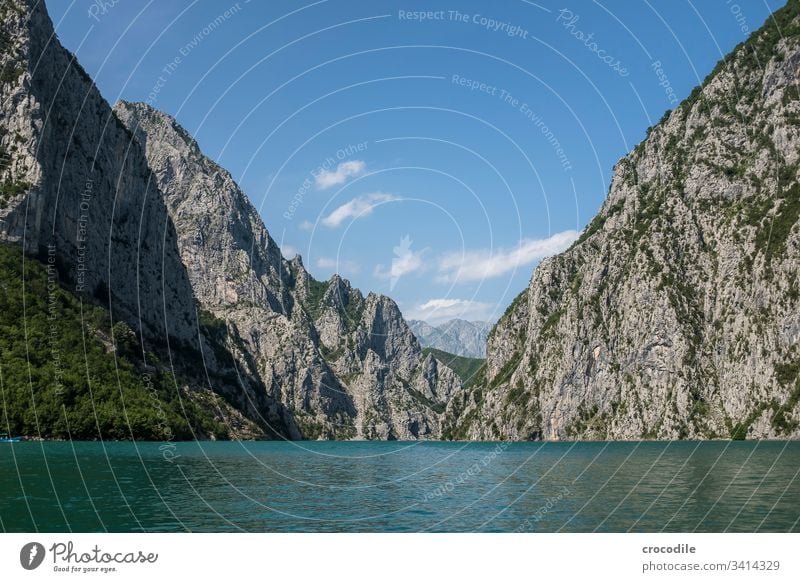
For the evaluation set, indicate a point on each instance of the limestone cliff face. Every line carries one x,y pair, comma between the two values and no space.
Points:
71,179
677,312
345,366
76,190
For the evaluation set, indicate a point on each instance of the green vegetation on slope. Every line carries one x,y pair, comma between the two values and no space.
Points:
754,52
316,291
63,376
465,368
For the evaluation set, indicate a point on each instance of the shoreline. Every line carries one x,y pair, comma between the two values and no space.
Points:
23,439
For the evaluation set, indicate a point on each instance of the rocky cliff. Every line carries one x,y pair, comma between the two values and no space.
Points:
76,191
677,312
71,179
344,365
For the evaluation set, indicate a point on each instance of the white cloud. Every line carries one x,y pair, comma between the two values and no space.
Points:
439,310
360,207
488,263
288,251
306,225
330,178
338,265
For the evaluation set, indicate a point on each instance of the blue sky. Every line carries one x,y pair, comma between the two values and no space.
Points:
432,157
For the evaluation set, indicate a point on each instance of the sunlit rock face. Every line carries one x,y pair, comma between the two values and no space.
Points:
677,312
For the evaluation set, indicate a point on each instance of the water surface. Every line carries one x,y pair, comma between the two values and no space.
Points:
400,487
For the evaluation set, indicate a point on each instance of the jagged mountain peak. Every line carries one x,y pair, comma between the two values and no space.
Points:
338,284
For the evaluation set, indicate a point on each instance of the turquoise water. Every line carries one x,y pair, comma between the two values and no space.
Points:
400,487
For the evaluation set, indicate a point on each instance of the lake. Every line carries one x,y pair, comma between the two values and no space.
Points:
400,487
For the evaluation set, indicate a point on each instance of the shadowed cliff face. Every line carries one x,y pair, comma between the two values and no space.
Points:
677,312
345,365
90,193
77,190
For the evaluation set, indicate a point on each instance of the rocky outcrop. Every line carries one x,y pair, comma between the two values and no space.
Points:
677,312
344,365
457,336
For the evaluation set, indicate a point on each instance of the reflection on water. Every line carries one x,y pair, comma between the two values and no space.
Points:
378,486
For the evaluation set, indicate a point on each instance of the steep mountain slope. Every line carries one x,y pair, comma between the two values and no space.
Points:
457,336
76,191
70,179
44,389
345,365
677,312
468,369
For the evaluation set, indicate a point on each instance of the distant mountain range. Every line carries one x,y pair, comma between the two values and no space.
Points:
457,336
